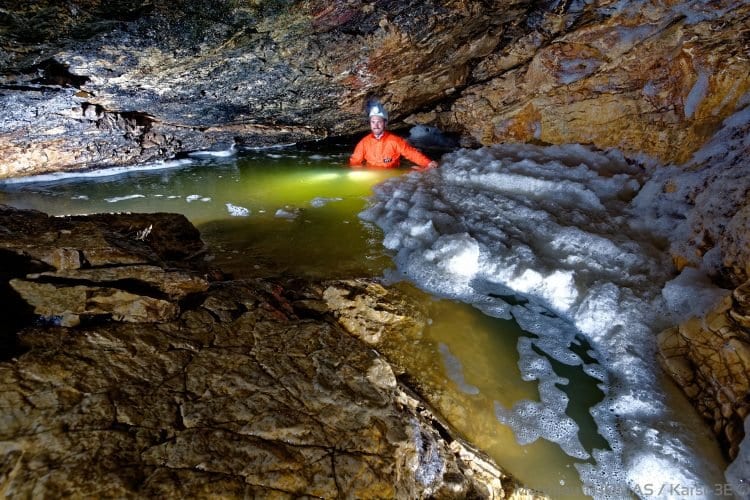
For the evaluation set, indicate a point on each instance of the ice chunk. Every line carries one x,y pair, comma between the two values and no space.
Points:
237,211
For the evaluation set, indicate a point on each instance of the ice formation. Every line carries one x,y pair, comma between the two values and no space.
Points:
556,238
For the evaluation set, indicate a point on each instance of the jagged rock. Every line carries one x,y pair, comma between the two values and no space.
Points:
255,401
373,313
119,86
102,265
709,358
93,84
71,302
174,284
735,246
716,207
73,242
658,80
234,389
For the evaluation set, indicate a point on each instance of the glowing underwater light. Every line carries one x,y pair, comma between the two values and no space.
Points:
359,175
325,176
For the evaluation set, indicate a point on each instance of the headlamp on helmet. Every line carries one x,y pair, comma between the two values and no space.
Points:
378,110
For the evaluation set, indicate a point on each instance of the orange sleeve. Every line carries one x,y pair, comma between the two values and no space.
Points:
358,156
412,154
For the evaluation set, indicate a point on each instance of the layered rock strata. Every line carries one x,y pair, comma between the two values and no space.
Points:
89,83
708,356
640,77
710,359
239,388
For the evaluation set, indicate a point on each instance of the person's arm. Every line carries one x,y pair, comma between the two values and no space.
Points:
416,156
358,156
432,164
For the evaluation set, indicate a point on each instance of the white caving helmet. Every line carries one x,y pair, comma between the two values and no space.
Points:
377,109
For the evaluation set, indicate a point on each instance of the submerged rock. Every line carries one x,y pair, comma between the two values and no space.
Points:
241,388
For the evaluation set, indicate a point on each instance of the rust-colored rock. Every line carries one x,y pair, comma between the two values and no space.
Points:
648,81
709,358
83,91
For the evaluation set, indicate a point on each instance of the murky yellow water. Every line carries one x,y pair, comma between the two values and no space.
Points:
289,212
465,363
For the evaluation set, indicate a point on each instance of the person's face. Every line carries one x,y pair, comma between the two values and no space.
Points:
377,125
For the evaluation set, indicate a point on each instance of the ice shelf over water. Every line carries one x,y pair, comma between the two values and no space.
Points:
570,242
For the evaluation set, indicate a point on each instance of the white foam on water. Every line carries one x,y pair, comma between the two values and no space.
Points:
197,197
105,172
320,201
286,213
561,232
116,199
237,211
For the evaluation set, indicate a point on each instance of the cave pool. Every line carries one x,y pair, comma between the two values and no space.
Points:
293,211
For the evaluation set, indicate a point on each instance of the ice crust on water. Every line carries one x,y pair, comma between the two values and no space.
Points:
99,173
560,230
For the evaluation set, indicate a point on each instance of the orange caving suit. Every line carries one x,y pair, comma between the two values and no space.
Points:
385,152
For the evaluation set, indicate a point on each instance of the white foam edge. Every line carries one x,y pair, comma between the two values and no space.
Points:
99,173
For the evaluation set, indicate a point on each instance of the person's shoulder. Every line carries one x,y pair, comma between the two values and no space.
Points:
393,137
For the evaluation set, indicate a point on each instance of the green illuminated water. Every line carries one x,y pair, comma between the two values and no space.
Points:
289,212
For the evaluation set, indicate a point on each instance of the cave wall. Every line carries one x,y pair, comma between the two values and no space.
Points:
90,83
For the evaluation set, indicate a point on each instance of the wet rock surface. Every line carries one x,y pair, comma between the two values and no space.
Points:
245,388
88,84
708,356
710,359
